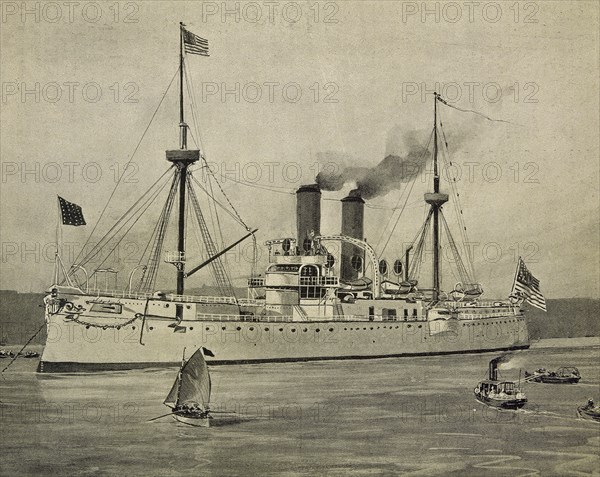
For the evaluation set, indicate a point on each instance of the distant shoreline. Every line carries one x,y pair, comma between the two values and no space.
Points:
581,342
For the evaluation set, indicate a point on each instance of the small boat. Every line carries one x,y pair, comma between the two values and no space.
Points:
189,398
500,394
564,375
589,411
6,354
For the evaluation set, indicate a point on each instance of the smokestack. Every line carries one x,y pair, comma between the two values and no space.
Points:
493,368
353,211
308,212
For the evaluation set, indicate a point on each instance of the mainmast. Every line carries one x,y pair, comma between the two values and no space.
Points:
436,200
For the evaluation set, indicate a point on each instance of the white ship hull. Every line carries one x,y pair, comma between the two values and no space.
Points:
93,342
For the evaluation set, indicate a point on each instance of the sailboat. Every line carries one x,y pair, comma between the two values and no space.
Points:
189,397
310,303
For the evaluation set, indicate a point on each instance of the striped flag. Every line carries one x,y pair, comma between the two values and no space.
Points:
194,44
528,287
71,213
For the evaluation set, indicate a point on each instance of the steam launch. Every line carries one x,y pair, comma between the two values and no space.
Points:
322,296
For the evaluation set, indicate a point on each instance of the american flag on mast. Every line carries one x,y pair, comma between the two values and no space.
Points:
71,214
194,44
527,286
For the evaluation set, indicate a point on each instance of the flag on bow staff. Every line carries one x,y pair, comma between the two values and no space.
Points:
194,44
71,213
528,287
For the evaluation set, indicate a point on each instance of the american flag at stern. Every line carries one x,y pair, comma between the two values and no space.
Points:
194,44
71,213
528,287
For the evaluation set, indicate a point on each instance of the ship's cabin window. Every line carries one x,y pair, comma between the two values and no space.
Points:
414,312
309,283
405,313
388,313
309,271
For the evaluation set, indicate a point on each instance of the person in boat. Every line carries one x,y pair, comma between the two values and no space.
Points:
590,404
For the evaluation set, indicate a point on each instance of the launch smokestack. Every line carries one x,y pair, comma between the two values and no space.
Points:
353,211
308,212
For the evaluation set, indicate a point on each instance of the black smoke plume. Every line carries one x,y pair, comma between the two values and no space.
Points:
390,174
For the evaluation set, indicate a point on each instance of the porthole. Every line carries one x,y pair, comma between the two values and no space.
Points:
317,330
345,329
167,305
223,328
87,327
251,328
293,330
330,329
267,328
133,327
371,327
410,326
238,328
305,330
151,328
280,329
420,326
188,307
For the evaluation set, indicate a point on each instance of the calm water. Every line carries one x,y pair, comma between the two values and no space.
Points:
400,416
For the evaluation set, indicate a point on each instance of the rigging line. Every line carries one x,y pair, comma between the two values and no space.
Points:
457,203
400,198
104,239
157,247
227,198
214,215
478,113
405,201
127,231
152,263
126,166
213,212
231,214
220,273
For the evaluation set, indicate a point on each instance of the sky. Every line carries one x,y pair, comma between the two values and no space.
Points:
291,88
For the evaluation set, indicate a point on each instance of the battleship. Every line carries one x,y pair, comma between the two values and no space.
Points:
321,296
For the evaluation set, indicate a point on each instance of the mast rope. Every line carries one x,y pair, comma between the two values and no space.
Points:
126,166
191,93
24,346
415,264
141,213
405,201
148,280
143,200
222,278
457,205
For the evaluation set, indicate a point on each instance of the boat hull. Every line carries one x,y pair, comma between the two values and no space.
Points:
193,421
501,403
591,415
72,345
556,380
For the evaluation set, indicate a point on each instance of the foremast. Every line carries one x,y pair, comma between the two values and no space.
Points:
182,158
